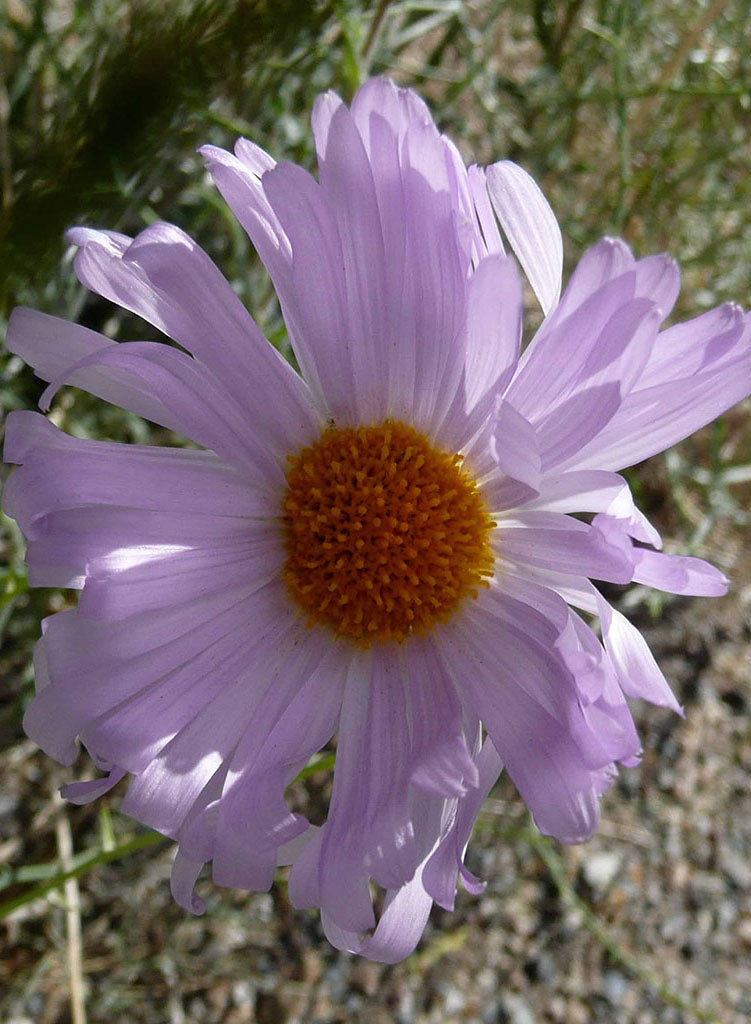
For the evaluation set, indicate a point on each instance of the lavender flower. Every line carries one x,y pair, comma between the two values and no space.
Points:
379,547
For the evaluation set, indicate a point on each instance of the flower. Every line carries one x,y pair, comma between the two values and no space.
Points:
380,547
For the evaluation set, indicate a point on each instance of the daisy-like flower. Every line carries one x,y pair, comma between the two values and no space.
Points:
379,547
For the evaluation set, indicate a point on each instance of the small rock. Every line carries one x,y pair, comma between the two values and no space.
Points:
516,1010
615,986
577,1013
243,994
540,968
727,914
744,931
486,980
737,868
366,976
454,1000
557,1008
312,966
490,1011
600,869
8,804
406,1009
674,927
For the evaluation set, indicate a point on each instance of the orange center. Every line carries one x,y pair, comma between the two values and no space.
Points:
385,534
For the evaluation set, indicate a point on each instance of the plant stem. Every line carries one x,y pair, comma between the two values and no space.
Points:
141,842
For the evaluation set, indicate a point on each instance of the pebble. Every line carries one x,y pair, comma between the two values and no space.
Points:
600,869
615,987
737,868
8,804
454,999
516,1010
744,931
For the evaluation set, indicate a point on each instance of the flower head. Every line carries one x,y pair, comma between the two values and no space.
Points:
380,547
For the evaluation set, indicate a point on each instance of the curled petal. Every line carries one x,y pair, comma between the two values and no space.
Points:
85,792
183,880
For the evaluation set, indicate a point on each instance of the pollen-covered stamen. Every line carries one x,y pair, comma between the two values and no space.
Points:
385,533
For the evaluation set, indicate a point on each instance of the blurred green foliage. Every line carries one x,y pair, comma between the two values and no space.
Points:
100,95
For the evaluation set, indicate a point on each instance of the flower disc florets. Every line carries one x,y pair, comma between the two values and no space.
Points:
385,533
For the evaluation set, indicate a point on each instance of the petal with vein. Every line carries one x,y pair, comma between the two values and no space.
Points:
531,228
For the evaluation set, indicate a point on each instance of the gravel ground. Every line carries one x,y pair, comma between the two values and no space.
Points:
668,877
